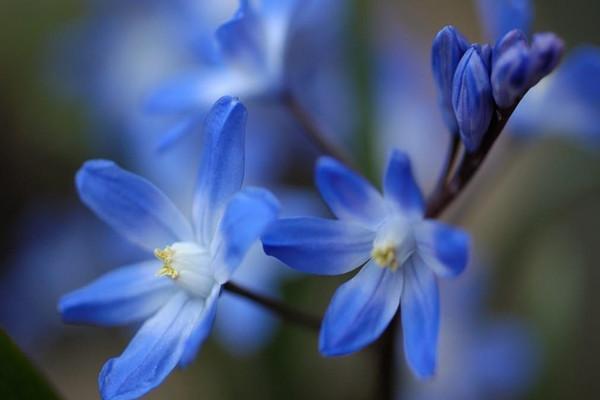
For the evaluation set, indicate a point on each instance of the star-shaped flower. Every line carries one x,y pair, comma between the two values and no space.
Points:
399,252
176,294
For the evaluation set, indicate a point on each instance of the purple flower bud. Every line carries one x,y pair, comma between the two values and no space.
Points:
546,52
517,67
509,40
448,47
472,97
510,74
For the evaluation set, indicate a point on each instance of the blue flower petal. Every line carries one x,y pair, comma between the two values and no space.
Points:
131,205
126,295
182,94
222,168
318,246
202,329
443,248
399,186
349,196
501,16
153,352
242,38
420,317
246,216
360,310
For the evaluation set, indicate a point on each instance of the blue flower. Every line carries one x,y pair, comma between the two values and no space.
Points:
175,295
400,253
251,64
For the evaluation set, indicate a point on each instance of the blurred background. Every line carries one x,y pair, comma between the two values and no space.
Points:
521,323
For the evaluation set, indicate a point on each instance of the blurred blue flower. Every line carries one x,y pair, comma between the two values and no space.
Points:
265,54
502,16
399,252
46,263
567,103
481,357
178,299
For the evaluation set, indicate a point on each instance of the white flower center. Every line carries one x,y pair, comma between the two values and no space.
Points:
189,266
394,243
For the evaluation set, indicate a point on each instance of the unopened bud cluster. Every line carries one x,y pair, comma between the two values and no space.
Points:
475,80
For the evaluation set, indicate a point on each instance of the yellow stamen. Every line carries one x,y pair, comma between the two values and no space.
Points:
386,257
166,256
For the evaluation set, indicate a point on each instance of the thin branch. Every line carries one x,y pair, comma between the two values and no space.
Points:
389,386
313,131
452,155
468,167
283,310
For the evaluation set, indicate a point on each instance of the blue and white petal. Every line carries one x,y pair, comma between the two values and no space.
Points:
349,196
242,39
123,296
154,351
420,317
443,248
246,217
400,188
360,310
131,205
317,245
222,168
202,328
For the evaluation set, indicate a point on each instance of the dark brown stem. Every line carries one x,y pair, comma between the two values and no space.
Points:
389,385
283,310
468,167
447,168
312,130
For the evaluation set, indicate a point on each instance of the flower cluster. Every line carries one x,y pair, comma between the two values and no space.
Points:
474,80
391,237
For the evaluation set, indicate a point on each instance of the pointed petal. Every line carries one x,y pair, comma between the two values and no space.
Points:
222,168
153,352
126,295
246,216
131,205
318,246
360,310
202,329
400,187
349,196
420,317
443,248
242,38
